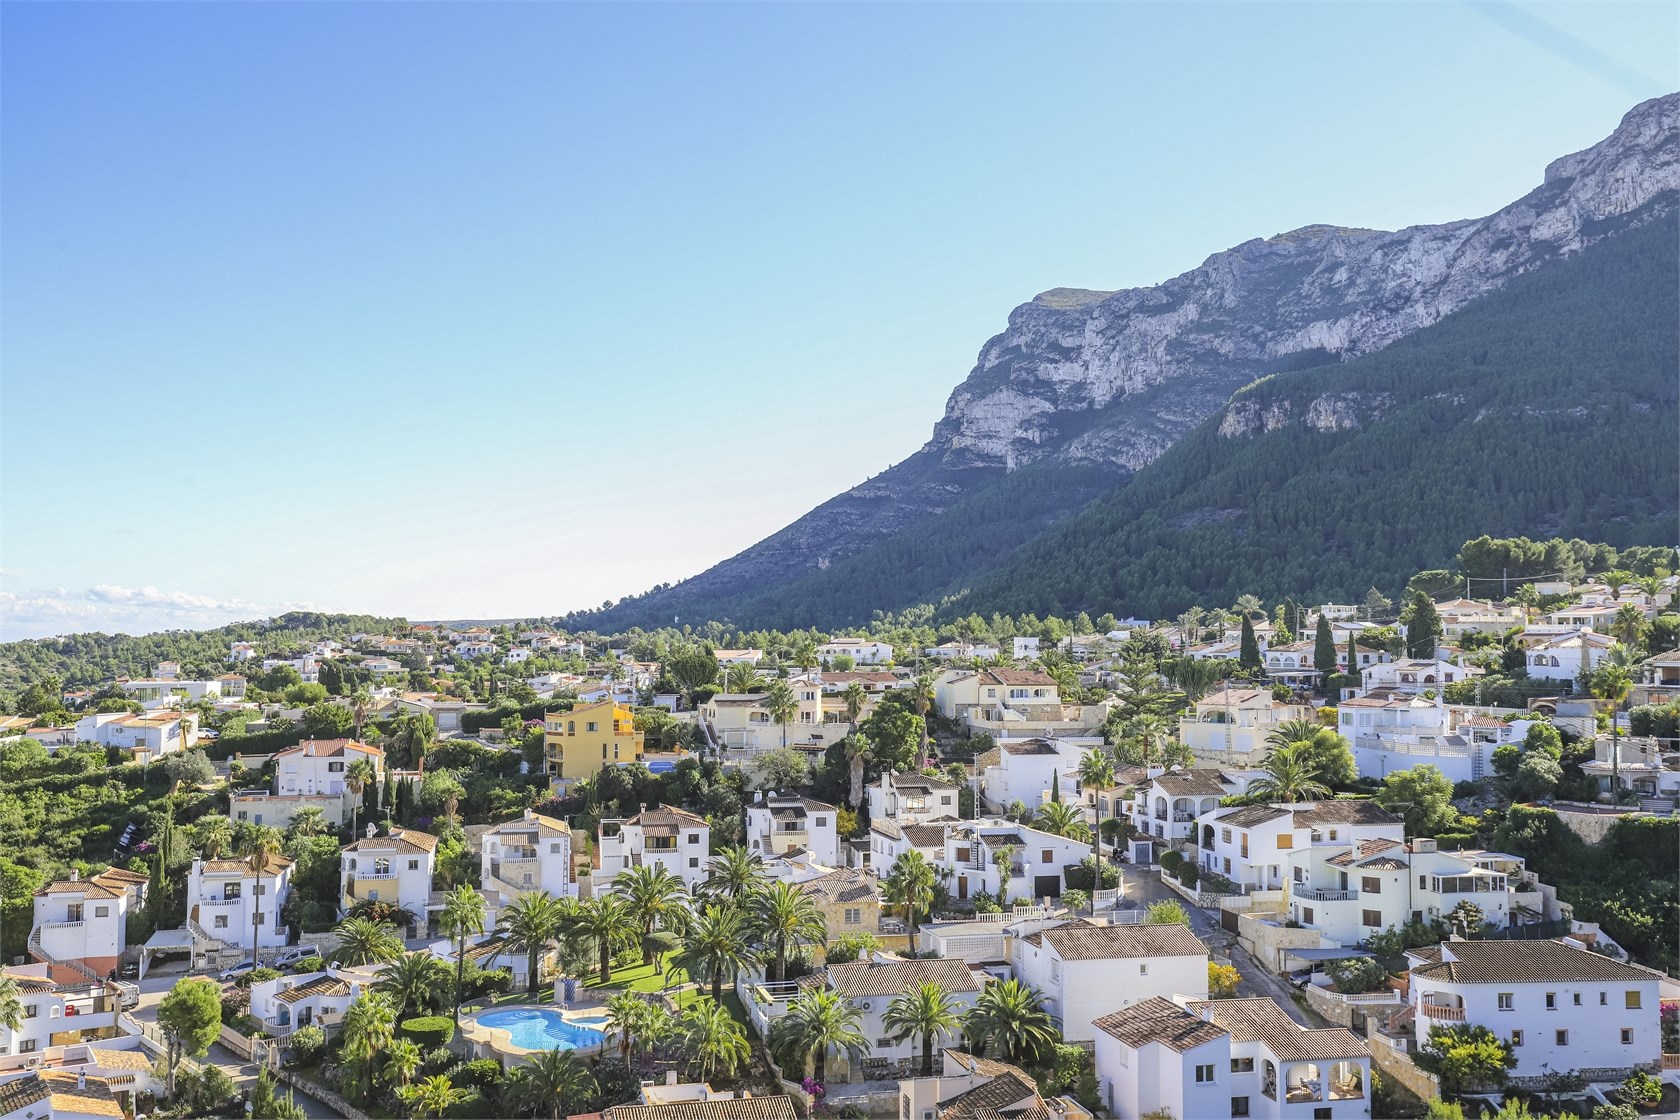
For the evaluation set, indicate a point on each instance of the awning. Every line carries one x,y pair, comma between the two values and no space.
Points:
170,940
1326,954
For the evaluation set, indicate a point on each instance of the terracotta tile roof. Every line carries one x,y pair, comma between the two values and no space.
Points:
1159,1020
329,748
541,825
1228,696
120,875
1082,942
325,986
1344,812
847,885
1385,863
1193,783
401,839
668,817
924,835
87,888
60,1089
1513,962
886,828
27,983
920,781
1262,1020
119,1059
271,865
1018,677
1365,849
1011,1094
889,978
753,1108
1251,816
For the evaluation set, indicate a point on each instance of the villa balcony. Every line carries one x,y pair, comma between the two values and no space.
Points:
1442,1013
1324,894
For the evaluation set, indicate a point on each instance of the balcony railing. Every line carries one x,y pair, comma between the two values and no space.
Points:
1180,817
1325,894
1442,1013
235,901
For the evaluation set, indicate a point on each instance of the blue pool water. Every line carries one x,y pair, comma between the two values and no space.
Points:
536,1028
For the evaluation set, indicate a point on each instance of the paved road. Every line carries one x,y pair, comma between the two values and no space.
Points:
1144,887
243,1073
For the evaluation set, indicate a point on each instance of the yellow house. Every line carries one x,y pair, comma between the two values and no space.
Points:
579,742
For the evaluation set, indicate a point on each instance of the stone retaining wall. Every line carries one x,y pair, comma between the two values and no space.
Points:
1423,1085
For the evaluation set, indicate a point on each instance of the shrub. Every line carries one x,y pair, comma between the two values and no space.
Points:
1222,981
306,1044
1358,974
1466,1058
1165,913
1171,861
1076,899
479,1072
986,903
1189,874
438,1060
1641,1090
429,1031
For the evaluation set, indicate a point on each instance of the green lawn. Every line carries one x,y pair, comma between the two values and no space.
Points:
645,978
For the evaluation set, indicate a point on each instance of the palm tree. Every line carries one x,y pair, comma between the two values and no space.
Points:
735,873
859,750
368,1027
1060,819
554,1083
1627,624
356,777
715,946
601,921
925,1010
714,1040
215,835
922,695
363,941
531,922
1527,598
309,821
1096,772
261,845
627,1013
1613,681
817,1022
11,1005
739,678
1249,605
1002,860
411,982
435,1096
361,705
781,705
1009,1022
463,914
1290,776
402,1062
909,887
786,918
855,697
655,899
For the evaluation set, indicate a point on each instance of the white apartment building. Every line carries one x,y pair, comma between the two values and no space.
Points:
742,721
395,868
862,651
529,853
1567,656
1562,1007
1037,860
238,901
147,736
57,1011
912,798
675,839
1257,846
1087,970
1416,675
870,986
1024,649
1229,1057
1229,727
1166,806
1393,730
998,696
85,921
1351,890
888,840
152,692
1026,770
778,823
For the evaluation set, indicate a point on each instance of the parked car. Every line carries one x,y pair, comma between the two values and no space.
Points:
297,956
234,972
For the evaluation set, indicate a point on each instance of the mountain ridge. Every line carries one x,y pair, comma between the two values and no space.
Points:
1108,382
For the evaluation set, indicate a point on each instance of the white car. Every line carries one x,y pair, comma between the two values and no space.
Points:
234,972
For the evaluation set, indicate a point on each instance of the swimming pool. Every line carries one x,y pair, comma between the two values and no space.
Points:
538,1028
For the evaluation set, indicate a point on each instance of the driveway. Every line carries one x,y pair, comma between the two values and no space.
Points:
243,1073
1144,886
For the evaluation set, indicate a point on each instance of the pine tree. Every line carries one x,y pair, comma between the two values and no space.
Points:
1324,649
1250,656
1423,627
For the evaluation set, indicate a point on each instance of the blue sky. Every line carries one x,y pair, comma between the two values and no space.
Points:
499,310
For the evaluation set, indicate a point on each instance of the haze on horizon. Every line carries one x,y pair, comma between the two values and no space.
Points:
456,311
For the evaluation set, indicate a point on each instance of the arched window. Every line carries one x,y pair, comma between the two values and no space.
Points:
381,866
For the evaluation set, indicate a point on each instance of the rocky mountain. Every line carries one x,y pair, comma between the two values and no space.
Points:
1091,386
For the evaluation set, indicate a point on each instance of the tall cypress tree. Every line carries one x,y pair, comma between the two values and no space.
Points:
1250,655
1353,657
1324,649
1423,627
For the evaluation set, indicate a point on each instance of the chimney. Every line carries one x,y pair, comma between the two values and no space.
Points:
75,876
371,829
670,1077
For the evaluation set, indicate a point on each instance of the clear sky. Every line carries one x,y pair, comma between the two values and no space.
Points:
489,310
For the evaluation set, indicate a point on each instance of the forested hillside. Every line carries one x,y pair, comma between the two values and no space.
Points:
1546,409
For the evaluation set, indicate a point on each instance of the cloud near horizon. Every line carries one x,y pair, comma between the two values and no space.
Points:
113,608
